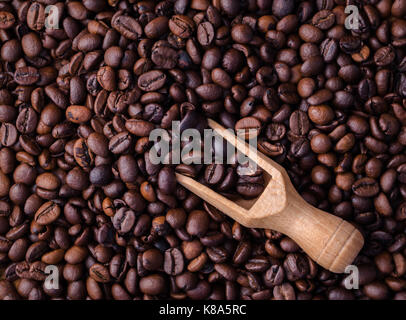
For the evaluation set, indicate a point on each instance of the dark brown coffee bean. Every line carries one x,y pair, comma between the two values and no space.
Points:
83,156
376,290
314,65
299,123
309,33
124,220
127,26
26,75
36,16
323,19
242,33
151,80
197,223
153,284
27,120
174,262
127,168
214,173
321,114
47,213
156,27
8,134
163,55
98,144
120,142
106,78
57,96
366,187
99,273
7,20
284,292
35,251
296,266
78,114
209,91
205,33
47,181
7,113
31,44
340,294
139,128
220,77
384,56
76,254
182,26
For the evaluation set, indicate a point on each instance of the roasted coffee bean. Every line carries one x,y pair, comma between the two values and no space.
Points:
384,56
127,168
139,128
156,27
163,55
205,33
174,262
124,220
296,266
31,44
299,123
321,114
151,80
76,254
274,276
197,223
284,292
376,290
7,20
209,91
83,156
167,180
78,114
99,273
27,120
26,75
365,187
323,19
8,134
153,284
35,251
47,213
127,26
107,78
100,175
182,26
214,173
120,142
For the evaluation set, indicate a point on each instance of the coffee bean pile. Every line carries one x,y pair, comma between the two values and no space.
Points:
82,85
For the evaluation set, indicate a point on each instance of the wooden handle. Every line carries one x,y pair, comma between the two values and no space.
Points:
328,240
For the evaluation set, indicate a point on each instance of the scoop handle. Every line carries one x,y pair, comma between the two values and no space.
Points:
329,240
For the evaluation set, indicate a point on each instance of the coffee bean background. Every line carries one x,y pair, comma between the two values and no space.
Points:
77,104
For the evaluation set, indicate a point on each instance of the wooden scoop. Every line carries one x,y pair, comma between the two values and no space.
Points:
330,241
